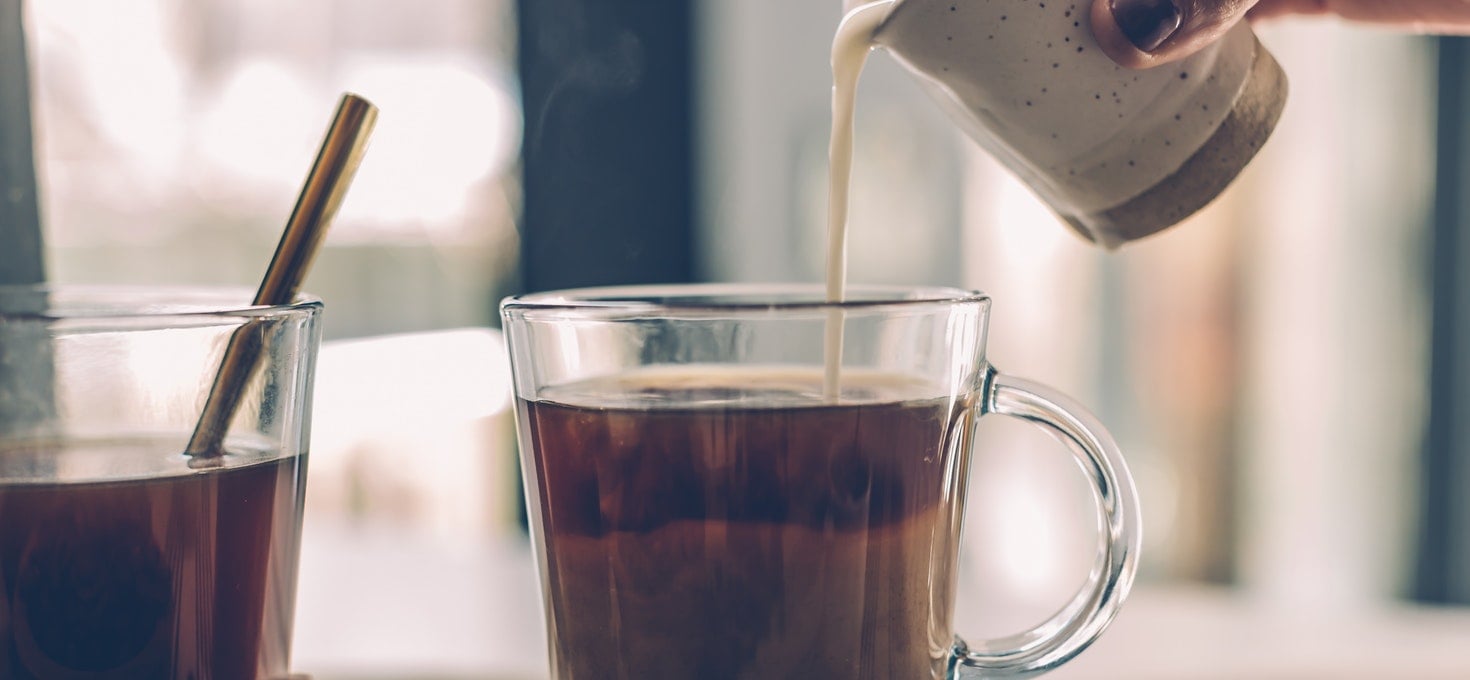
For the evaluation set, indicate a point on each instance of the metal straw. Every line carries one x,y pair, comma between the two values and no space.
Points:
320,197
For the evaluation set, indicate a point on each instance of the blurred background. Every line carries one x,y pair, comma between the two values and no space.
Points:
1284,370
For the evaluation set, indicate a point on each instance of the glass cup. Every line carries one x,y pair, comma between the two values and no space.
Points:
121,557
708,501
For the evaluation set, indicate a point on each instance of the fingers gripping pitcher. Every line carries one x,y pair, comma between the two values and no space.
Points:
1118,154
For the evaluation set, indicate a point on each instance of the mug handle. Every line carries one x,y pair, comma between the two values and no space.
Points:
1079,623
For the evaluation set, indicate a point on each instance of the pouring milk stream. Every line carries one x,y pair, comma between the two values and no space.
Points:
1117,154
849,52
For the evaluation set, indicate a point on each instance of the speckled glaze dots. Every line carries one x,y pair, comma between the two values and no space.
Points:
1119,154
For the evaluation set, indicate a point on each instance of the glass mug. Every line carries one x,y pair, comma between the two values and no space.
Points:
700,509
120,557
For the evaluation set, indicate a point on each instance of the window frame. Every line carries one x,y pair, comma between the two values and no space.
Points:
1443,574
21,258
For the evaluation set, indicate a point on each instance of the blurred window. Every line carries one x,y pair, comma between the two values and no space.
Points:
1264,365
172,139
173,136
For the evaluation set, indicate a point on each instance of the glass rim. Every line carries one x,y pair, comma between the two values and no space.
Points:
82,302
736,297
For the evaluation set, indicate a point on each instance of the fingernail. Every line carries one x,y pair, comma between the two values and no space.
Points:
1146,23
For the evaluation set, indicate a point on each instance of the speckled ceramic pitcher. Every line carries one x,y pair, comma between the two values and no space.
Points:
1119,154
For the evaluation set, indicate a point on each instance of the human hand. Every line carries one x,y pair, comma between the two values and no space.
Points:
1144,33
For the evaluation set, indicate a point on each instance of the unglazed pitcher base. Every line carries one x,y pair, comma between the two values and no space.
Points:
1206,173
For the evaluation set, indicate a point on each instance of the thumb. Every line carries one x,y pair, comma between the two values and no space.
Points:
1144,33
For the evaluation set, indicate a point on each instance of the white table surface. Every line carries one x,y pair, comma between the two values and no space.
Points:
393,604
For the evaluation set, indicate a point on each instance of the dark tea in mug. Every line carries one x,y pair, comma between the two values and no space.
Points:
713,523
152,570
747,482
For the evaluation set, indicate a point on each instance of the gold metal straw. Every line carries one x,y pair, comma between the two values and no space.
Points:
335,165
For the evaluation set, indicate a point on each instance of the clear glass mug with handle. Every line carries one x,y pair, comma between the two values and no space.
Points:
707,501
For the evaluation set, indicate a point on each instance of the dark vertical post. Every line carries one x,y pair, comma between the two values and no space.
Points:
1444,548
608,157
609,142
25,351
20,222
